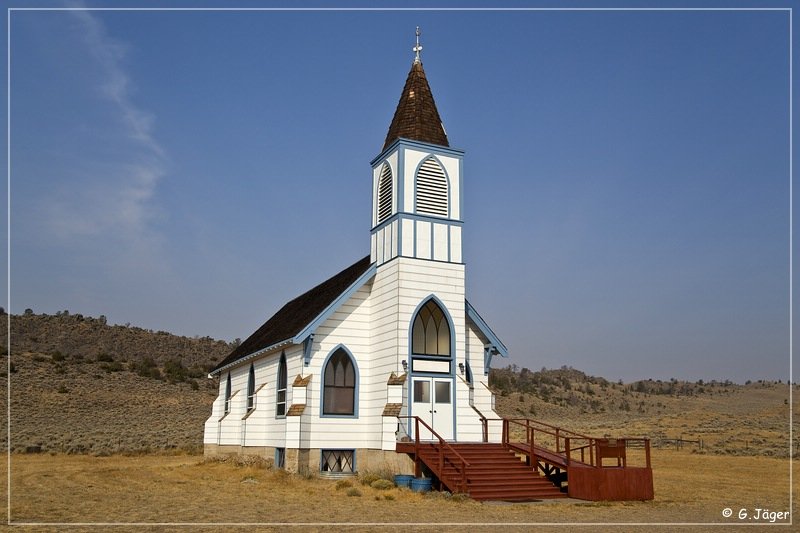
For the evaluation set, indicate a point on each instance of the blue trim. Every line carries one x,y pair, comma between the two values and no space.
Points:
451,359
417,145
414,216
420,259
377,192
401,180
282,361
486,330
460,189
449,323
446,177
322,383
334,306
308,343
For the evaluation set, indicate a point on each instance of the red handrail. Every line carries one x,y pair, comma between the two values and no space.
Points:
442,445
593,444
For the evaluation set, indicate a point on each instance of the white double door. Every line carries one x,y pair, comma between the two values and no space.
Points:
432,401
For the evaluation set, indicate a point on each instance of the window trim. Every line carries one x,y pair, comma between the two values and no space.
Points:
324,366
448,191
378,204
450,324
351,450
226,408
251,389
282,366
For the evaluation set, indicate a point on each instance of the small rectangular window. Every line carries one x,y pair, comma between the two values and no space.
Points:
422,391
442,392
280,409
280,457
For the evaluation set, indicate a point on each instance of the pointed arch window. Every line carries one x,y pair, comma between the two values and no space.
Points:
385,193
228,394
431,187
251,388
280,402
339,386
431,331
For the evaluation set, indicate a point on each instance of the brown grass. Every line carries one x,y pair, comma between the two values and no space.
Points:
156,489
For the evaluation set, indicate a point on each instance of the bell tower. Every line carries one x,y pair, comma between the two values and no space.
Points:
417,181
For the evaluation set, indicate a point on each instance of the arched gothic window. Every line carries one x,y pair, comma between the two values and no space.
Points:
431,332
431,185
280,402
339,387
385,193
251,388
228,394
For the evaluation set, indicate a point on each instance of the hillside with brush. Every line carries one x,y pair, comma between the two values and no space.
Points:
80,385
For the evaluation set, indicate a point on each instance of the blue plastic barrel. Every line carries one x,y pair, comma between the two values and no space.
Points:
403,480
421,484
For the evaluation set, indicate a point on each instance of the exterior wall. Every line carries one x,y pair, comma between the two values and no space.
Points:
349,327
366,459
408,233
261,426
480,396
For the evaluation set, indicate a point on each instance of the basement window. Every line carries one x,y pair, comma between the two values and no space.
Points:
338,461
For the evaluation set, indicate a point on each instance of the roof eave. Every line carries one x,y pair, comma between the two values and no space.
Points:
486,330
415,144
247,357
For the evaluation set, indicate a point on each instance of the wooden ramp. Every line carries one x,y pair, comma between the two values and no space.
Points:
535,461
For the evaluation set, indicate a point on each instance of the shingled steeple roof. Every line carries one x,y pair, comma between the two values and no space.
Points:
416,117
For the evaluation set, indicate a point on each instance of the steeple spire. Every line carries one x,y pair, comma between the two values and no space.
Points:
418,48
416,117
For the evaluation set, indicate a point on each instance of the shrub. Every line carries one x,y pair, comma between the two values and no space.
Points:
343,484
367,478
62,389
103,357
174,371
57,356
353,492
381,484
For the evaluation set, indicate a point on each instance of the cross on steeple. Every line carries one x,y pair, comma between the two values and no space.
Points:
418,48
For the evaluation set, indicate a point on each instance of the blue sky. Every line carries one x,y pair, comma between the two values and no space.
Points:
626,172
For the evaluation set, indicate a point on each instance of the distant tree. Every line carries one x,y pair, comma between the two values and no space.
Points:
28,312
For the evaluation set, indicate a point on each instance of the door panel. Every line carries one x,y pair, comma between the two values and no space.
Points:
432,402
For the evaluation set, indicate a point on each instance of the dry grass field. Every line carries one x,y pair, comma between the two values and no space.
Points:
187,489
118,442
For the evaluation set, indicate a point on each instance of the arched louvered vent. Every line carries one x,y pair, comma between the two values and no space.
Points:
431,189
385,194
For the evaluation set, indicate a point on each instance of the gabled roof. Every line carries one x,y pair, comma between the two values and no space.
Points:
416,117
486,330
296,316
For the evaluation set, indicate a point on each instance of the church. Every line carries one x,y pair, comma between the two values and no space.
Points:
329,383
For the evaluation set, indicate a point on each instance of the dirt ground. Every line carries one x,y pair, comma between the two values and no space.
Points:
164,493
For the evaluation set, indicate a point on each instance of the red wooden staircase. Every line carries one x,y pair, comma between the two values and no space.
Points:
495,473
511,470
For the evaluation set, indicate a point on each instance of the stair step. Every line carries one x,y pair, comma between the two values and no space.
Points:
495,473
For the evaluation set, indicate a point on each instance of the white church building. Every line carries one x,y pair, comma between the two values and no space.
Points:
327,383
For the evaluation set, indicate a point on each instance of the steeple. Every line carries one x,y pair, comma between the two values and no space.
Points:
416,117
416,182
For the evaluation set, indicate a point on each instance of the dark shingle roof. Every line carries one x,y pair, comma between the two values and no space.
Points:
416,117
298,313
